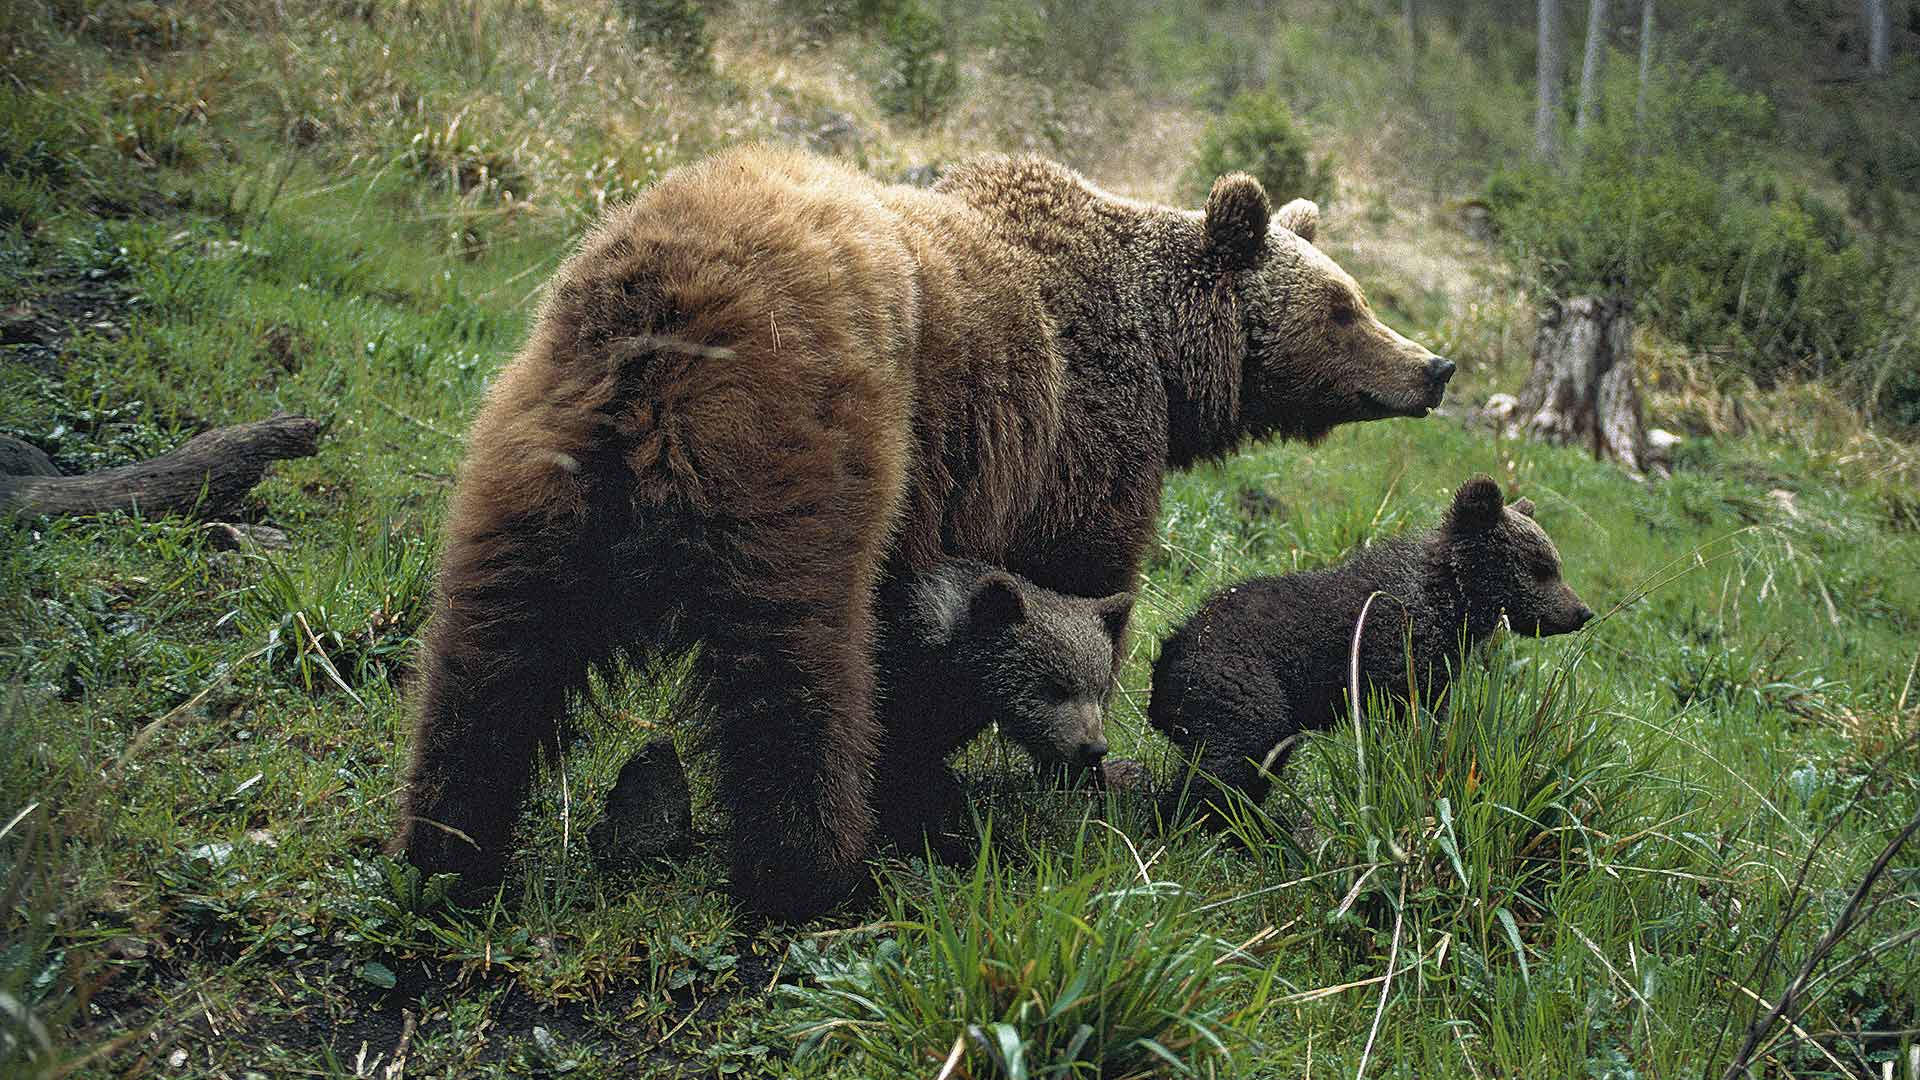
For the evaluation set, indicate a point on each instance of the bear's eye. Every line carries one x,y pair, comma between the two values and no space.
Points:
1344,314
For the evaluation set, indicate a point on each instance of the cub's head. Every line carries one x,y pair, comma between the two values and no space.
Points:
1042,663
1503,561
1316,355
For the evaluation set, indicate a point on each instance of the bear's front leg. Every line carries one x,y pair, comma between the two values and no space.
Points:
920,809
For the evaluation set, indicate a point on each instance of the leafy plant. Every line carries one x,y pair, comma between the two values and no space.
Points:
1257,134
921,79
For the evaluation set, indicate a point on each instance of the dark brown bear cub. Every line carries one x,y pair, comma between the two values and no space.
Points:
1268,658
971,645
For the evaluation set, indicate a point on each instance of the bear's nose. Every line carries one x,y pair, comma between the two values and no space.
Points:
1439,370
1582,617
1088,754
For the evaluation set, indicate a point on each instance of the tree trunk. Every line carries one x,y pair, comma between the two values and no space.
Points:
1646,61
207,476
1551,68
1879,37
1410,14
1596,51
1583,389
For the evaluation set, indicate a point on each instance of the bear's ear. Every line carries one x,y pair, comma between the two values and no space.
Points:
1476,506
1114,611
1523,507
997,602
1237,215
1301,217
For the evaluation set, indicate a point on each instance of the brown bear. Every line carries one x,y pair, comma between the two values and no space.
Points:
1261,661
966,645
771,384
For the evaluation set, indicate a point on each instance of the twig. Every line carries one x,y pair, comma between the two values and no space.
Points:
1842,926
416,421
953,1056
1797,1030
146,734
1386,986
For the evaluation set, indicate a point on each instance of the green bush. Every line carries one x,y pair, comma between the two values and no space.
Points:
1089,42
675,28
1711,248
1257,134
921,79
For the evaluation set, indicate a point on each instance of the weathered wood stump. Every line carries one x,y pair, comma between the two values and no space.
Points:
1583,388
206,477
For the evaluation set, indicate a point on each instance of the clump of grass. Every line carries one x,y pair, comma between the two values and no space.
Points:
1461,816
1076,967
344,622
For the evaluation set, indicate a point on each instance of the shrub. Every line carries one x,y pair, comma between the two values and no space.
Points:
677,29
921,79
1080,41
1257,134
1712,250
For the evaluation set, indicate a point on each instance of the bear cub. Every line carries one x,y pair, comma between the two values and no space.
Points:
971,644
1263,660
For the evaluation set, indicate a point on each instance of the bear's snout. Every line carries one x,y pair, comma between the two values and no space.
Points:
1582,615
1088,754
1439,370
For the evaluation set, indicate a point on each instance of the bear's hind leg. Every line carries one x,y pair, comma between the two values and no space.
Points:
519,618
797,739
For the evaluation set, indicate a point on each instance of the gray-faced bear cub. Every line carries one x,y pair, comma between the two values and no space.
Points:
1265,659
973,645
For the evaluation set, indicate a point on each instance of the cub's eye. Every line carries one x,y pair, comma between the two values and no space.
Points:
1343,315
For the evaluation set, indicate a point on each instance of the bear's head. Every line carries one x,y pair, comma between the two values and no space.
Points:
1503,562
1042,665
1315,353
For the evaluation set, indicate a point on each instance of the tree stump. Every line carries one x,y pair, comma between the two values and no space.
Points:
206,477
1583,389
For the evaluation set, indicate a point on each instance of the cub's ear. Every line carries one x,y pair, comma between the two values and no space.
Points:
997,602
1113,611
1523,507
1476,506
1301,217
1237,216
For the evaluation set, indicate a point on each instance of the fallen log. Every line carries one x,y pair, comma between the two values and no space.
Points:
206,477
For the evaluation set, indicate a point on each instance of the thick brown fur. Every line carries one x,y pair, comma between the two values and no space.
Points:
771,384
1263,660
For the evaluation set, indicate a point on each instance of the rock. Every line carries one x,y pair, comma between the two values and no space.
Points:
1125,774
1660,446
649,812
19,458
236,536
1475,218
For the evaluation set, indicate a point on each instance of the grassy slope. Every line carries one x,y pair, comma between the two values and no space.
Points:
210,880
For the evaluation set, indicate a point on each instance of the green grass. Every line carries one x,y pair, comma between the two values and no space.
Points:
1577,870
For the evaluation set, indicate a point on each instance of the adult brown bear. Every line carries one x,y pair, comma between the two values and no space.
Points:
771,383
